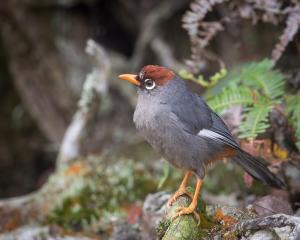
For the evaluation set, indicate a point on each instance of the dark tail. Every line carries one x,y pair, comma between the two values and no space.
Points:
257,169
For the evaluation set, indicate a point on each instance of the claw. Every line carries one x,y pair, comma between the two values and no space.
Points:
186,210
179,193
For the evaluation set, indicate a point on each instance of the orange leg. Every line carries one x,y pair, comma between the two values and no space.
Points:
182,189
191,208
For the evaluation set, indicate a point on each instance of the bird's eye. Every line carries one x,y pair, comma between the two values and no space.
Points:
149,84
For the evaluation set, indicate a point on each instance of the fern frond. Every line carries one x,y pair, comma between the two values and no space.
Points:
256,121
263,77
257,87
193,17
230,97
200,32
293,108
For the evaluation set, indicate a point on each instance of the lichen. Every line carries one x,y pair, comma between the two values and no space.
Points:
103,192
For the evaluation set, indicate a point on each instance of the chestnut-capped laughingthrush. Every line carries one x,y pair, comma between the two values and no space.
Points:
180,126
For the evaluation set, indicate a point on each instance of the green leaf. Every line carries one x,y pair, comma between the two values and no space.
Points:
264,78
231,97
257,87
166,174
256,121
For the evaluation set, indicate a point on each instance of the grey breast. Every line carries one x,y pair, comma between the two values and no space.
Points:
165,133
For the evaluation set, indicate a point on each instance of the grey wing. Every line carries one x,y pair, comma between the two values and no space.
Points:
195,115
221,131
214,141
210,139
181,147
200,120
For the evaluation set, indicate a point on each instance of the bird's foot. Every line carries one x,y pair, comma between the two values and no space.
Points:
180,192
185,211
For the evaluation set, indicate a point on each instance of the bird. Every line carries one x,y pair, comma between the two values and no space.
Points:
185,131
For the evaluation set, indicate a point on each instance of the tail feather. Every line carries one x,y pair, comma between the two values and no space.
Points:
257,169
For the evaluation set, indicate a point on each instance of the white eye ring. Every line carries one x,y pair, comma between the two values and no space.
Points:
149,84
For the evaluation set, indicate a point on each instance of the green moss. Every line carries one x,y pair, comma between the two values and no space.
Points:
184,229
103,191
185,226
76,212
162,227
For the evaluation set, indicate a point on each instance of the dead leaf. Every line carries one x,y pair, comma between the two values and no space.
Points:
279,152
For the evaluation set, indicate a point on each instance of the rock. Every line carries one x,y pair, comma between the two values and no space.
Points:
264,235
285,233
286,227
230,211
153,210
297,214
155,203
37,233
125,231
270,205
221,199
293,174
246,224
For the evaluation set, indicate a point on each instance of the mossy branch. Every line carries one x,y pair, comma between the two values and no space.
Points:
185,227
181,228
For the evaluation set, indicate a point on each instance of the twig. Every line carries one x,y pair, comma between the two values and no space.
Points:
274,221
165,54
291,29
16,202
150,26
94,86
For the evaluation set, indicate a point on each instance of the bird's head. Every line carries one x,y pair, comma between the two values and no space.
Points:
150,77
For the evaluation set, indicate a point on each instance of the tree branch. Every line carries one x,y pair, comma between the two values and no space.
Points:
94,86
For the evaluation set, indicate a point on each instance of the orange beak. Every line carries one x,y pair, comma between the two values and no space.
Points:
130,78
